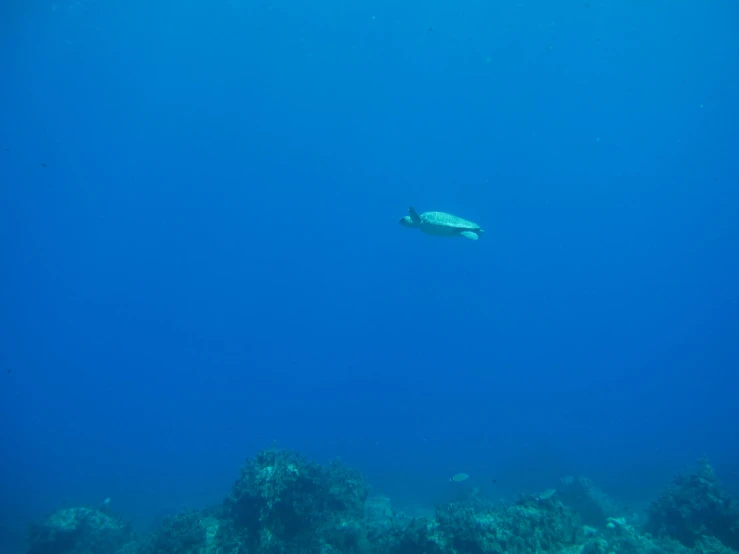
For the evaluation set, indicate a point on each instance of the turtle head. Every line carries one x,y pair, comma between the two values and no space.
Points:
413,214
407,222
412,220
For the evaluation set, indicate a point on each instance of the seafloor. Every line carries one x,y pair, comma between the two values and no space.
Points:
284,503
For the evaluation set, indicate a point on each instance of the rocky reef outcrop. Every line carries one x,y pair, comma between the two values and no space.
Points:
283,503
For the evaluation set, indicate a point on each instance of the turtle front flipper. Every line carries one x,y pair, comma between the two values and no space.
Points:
469,235
414,215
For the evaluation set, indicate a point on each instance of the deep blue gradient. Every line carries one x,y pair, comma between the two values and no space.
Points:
209,258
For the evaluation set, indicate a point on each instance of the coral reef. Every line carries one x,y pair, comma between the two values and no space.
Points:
693,507
283,503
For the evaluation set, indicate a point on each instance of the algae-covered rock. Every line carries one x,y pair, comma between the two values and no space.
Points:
285,503
79,531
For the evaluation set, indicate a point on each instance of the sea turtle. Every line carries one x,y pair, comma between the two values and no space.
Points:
441,224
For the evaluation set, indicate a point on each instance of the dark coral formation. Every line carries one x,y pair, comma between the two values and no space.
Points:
193,532
695,506
593,505
283,503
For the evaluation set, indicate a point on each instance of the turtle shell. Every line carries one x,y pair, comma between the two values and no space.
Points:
442,219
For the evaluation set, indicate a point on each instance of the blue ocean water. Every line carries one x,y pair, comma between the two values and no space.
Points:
200,251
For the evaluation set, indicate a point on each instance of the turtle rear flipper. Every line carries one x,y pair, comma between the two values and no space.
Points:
469,235
414,215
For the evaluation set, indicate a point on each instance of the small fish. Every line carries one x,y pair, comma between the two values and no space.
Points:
43,165
459,477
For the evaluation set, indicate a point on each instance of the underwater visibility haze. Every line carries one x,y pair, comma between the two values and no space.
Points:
203,268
